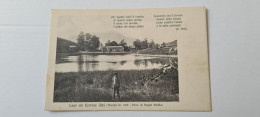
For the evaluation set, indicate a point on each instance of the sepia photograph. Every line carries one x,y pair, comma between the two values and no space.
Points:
128,59
97,58
108,66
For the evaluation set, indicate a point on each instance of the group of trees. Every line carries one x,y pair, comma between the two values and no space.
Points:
145,44
121,43
88,42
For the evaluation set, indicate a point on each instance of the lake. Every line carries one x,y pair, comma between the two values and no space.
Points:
81,63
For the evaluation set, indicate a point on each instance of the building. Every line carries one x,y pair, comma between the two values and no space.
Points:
113,49
73,48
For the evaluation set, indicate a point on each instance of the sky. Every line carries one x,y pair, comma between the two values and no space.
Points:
69,26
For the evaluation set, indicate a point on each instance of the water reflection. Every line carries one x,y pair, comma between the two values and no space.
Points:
109,62
122,62
80,63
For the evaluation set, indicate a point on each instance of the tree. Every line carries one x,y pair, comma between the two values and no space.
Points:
113,43
137,43
157,46
94,43
81,41
88,42
124,44
163,45
88,37
108,43
144,43
151,44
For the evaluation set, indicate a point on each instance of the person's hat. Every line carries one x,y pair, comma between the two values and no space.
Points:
115,73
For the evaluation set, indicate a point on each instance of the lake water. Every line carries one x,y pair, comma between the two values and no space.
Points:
109,62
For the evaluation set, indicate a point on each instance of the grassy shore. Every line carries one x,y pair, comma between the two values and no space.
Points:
96,86
160,51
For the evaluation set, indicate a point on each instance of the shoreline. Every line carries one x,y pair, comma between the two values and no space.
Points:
99,53
116,53
156,55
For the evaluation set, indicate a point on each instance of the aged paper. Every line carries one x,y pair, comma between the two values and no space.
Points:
128,59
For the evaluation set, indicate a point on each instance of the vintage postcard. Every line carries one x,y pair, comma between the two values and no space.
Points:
153,59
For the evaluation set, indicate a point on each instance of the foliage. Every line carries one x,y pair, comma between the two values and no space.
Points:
140,45
81,41
158,51
107,43
88,42
124,44
152,44
144,43
78,86
113,43
93,43
137,43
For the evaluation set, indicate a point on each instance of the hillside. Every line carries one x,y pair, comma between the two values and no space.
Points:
113,36
63,45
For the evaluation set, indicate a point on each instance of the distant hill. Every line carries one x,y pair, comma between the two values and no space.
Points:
63,45
114,36
105,36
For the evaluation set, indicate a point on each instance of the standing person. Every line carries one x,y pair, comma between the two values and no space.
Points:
116,85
